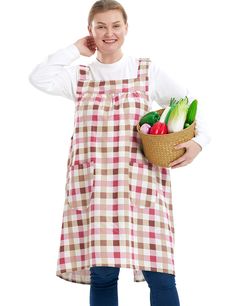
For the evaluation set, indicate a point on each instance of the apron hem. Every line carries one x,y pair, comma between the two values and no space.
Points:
84,274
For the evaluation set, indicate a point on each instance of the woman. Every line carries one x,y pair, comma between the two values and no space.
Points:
118,210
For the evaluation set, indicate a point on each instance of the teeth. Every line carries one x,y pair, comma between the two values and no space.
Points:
109,41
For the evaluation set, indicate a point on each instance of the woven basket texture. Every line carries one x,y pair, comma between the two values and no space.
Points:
159,149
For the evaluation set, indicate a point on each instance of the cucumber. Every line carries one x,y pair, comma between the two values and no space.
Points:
192,111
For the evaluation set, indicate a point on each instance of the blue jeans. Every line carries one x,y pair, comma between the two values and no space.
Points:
103,289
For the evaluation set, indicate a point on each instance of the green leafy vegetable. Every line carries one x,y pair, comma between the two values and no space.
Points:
177,115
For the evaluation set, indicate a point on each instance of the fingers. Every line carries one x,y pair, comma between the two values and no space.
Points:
184,160
180,160
192,150
90,43
180,164
182,145
176,163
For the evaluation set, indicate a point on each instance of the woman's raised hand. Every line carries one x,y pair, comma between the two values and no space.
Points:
86,46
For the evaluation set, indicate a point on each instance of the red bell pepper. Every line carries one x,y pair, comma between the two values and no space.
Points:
159,128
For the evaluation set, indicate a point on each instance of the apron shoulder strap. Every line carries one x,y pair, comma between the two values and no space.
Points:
143,67
83,72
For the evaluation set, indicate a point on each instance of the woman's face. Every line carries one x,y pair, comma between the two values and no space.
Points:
108,30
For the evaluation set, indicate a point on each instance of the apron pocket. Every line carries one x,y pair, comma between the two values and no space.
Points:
142,185
79,187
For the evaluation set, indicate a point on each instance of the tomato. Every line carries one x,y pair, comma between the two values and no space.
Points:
159,128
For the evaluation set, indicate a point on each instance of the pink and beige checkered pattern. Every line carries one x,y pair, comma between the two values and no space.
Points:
118,209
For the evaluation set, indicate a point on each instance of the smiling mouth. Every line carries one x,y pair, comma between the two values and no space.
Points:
109,41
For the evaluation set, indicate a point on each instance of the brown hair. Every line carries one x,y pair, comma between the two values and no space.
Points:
103,6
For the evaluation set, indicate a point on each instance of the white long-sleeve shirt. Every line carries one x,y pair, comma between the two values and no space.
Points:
56,75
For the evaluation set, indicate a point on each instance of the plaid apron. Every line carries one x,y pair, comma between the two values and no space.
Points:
117,209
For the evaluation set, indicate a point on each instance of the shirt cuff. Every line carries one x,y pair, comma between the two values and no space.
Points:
202,140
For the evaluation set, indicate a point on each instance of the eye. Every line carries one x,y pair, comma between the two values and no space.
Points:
117,26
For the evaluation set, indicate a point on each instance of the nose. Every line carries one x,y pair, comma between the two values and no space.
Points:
109,32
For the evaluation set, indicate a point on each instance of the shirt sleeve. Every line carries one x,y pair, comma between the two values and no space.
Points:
55,75
162,87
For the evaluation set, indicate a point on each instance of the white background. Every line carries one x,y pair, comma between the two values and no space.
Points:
194,40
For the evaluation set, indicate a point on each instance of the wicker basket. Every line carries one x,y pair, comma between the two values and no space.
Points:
159,149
